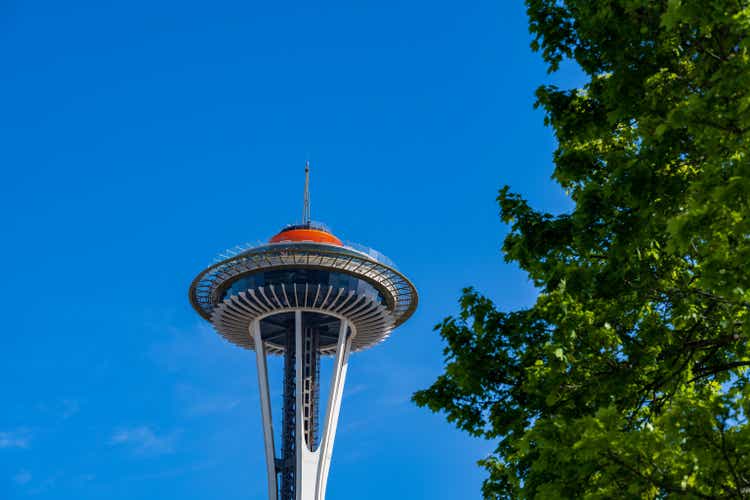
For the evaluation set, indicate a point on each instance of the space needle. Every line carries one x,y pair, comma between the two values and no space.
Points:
303,295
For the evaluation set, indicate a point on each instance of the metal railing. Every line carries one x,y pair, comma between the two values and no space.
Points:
370,252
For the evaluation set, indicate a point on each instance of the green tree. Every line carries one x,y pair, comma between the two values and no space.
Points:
628,376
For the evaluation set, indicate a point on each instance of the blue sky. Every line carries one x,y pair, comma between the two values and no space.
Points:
139,139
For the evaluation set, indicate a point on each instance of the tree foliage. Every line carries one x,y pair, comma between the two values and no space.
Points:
628,376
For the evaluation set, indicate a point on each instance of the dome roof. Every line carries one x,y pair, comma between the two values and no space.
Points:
306,232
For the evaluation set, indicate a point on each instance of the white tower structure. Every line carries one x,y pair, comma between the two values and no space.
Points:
303,295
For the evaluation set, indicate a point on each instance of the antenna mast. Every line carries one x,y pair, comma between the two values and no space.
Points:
306,205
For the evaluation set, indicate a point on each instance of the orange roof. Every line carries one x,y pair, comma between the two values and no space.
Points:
314,235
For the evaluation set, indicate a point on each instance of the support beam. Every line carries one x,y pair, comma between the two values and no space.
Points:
340,365
265,405
307,461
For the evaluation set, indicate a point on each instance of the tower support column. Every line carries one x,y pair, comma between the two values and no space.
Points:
313,465
340,365
265,407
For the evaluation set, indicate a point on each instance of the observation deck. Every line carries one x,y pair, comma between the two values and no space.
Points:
304,267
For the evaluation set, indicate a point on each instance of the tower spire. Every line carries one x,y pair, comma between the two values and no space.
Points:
306,203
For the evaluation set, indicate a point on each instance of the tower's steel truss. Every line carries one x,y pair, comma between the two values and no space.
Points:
285,466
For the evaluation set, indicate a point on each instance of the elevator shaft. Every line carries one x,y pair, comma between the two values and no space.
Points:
286,466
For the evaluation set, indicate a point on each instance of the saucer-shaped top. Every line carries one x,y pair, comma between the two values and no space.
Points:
304,267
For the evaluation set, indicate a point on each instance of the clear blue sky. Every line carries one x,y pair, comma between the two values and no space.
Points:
138,139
